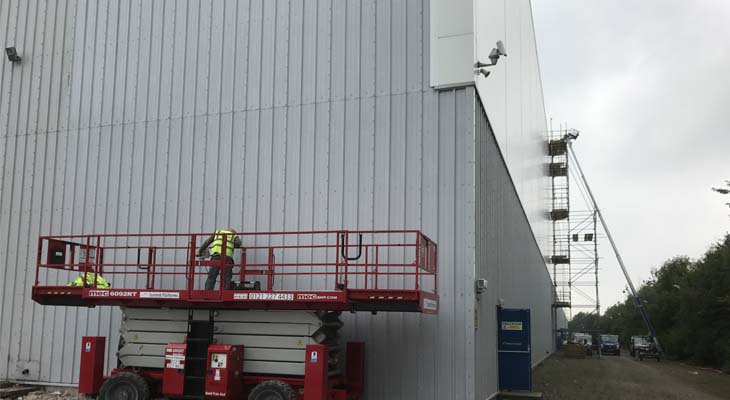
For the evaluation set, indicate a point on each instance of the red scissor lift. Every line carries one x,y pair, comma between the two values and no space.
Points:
320,271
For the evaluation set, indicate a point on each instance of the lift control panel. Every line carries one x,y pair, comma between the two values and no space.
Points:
225,368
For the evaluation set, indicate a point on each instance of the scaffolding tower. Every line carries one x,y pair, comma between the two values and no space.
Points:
560,217
574,258
584,261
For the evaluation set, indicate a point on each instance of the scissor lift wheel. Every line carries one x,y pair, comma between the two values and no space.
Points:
125,386
272,390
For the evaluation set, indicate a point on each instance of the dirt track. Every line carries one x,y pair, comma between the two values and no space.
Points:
561,378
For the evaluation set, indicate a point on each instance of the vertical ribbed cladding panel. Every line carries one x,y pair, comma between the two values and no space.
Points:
303,114
425,180
508,256
514,101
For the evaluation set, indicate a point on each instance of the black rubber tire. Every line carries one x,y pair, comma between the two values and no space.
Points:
273,390
125,386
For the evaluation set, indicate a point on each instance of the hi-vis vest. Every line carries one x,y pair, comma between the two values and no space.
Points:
215,247
101,283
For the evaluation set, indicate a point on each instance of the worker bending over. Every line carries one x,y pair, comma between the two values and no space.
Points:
87,280
214,244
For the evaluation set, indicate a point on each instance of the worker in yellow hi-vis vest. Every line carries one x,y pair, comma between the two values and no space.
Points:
214,244
101,283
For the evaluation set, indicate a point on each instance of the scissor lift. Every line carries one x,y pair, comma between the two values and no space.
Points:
322,272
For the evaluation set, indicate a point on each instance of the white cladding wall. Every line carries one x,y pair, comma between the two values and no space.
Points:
323,114
466,31
512,96
452,43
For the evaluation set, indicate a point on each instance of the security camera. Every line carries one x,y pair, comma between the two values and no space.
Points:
482,71
481,285
493,56
493,59
12,54
500,48
497,52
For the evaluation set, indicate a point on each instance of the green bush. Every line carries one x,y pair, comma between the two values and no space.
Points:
689,305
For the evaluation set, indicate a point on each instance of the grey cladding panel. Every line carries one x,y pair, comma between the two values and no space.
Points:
169,116
508,256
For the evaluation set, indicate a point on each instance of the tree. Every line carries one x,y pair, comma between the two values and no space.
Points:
689,304
583,322
724,190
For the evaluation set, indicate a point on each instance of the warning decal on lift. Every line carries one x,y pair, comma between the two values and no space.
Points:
159,295
264,296
317,296
272,296
219,360
175,358
512,326
111,293
430,304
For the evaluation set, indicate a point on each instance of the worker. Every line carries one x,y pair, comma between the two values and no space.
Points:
101,283
214,244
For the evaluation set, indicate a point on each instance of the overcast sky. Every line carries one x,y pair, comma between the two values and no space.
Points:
647,83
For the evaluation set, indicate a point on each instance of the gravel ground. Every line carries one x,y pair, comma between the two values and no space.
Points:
562,378
612,377
52,394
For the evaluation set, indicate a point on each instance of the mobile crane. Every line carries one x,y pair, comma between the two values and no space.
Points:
638,302
272,335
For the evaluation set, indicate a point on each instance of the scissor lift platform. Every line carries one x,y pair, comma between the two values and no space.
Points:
377,271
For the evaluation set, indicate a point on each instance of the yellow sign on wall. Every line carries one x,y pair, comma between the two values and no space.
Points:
511,326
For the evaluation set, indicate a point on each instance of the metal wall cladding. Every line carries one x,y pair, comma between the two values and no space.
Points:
171,116
512,96
507,255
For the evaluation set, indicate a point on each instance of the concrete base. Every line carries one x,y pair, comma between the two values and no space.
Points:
16,391
519,394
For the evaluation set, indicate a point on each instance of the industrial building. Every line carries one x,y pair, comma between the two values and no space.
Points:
291,115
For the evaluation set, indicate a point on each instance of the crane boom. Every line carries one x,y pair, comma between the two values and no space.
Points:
634,294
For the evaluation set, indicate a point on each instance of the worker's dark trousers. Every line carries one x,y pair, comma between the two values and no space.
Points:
213,273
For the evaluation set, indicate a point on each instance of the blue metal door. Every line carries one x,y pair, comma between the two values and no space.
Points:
514,351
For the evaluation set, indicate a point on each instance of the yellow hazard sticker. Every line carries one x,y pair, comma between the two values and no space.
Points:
511,326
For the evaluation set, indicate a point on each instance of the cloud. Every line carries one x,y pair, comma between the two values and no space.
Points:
648,85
